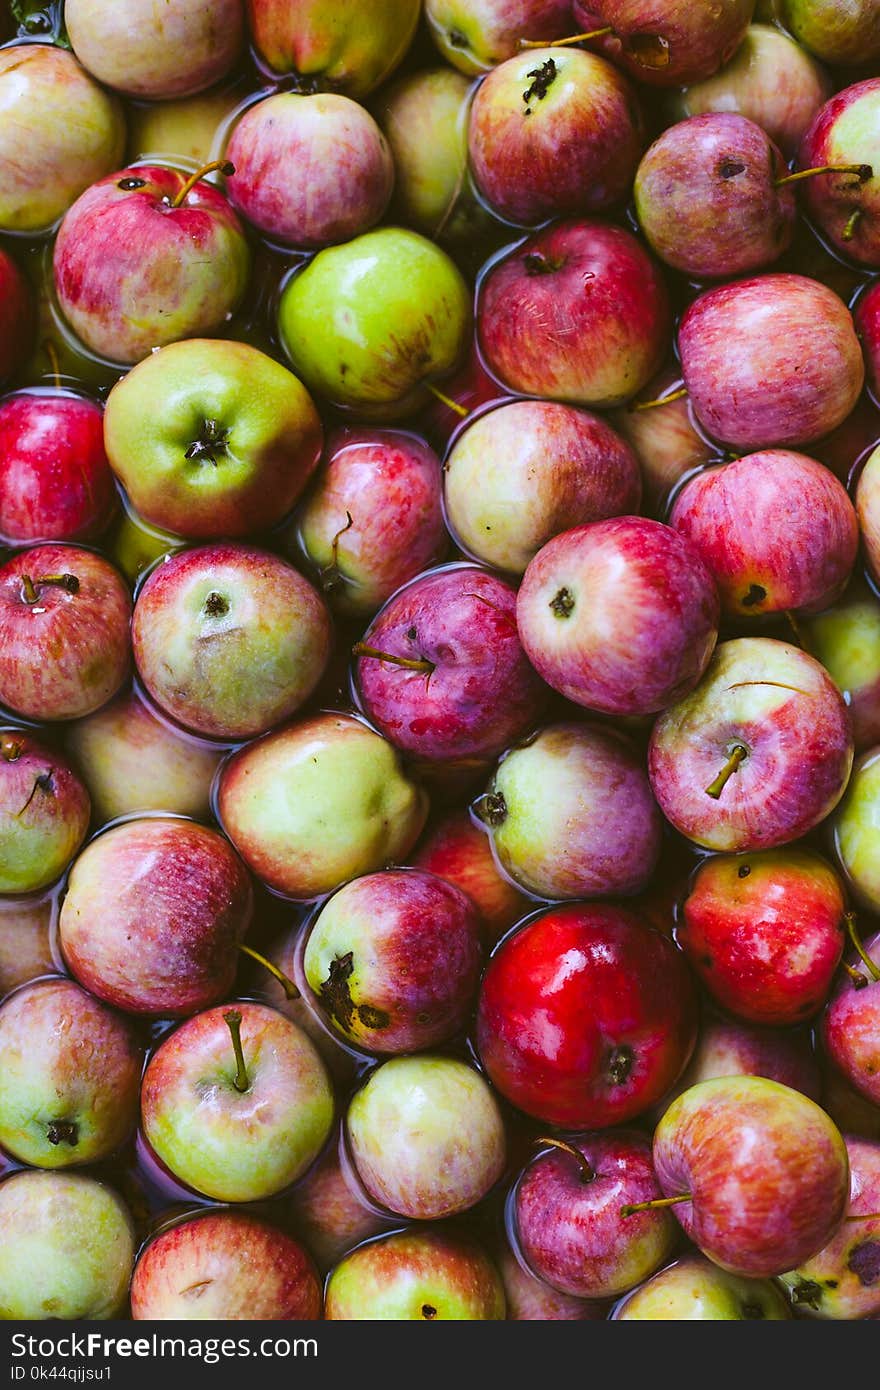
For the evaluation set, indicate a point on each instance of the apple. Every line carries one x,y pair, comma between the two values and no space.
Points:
59,132
131,760
758,754
586,1017
729,1047
27,931
224,1266
868,511
68,1248
426,1136
328,1211
393,960
351,51
44,813
372,519
419,1275
776,529
620,616
659,428
183,130
577,312
212,439
476,35
845,205
71,1076
847,446
770,362
144,51
518,475
134,545
836,34
463,393
846,639
441,672
866,315
64,641
694,1289
851,1111
16,315
366,325
668,43
571,814
153,915
529,1300
319,802
236,1103
458,850
855,828
850,1027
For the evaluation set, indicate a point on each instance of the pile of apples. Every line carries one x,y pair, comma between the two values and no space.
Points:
440,659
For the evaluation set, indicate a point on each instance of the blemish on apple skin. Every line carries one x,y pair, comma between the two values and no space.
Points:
864,1262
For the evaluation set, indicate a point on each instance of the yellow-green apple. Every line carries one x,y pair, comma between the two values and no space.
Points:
520,474
182,131
456,849
529,1300
157,52
855,830
770,362
44,812
317,803
577,312
760,1172
68,1248
586,1016
71,1076
212,438
208,620
844,199
367,324
309,171
571,814
441,672
236,1103
667,43
350,48
394,959
758,754
329,1213
645,642
419,1275
134,545
373,517
26,939
729,1047
226,1266
850,1027
694,1289
658,426
16,316
64,632
59,132
426,1136
153,915
838,34
476,35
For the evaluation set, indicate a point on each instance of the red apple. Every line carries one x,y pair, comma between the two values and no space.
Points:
866,315
851,1023
16,316
416,1275
667,43
845,205
44,813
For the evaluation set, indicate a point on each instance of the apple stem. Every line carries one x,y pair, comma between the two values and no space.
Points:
737,754
851,223
491,809
224,167
62,1132
632,1208
232,1018
28,592
868,1216
862,171
588,1172
856,976
563,43
450,404
798,632
54,363
850,920
284,981
411,664
661,400
10,748
30,587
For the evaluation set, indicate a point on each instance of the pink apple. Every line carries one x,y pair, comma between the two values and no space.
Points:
729,1047
851,1024
329,1212
866,315
44,813
530,1300
845,205
668,43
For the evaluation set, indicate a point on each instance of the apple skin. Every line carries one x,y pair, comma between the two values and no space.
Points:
577,312
854,831
426,1136
480,693
350,169
134,272
68,653
457,850
470,386
706,197
183,130
776,529
570,1230
59,133
638,653
694,1289
868,511
180,48
230,1145
528,1300
393,960
571,814
131,760
153,914
663,438
595,1044
419,1275
477,35
669,43
764,933
207,620
372,519
55,481
782,707
850,1026
318,802
351,50
169,404
225,1265
68,1060
520,474
851,1111
842,1281
770,79
837,34
44,813
68,1248
367,323
770,362
843,133
16,317
729,1047
328,1213
285,951
26,937
866,315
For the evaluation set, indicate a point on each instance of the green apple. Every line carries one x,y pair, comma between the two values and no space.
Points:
134,546
475,35
846,639
855,828
186,131
837,31
367,323
696,1290
349,47
415,1276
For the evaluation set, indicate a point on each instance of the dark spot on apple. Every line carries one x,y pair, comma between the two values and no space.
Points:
756,594
743,871
831,1283
562,603
864,1262
729,168
215,606
42,783
649,50
372,1018
428,1311
334,992
536,263
807,1291
130,184
343,368
10,749
62,1132
423,1018
620,1065
491,809
411,634
457,39
542,80
752,1312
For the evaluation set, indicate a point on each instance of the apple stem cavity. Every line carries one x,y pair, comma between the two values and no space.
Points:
491,809
656,1204
850,922
211,443
290,989
62,1132
661,400
587,1173
232,1019
737,755
566,43
410,663
863,172
620,1065
223,166
30,587
450,404
562,603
